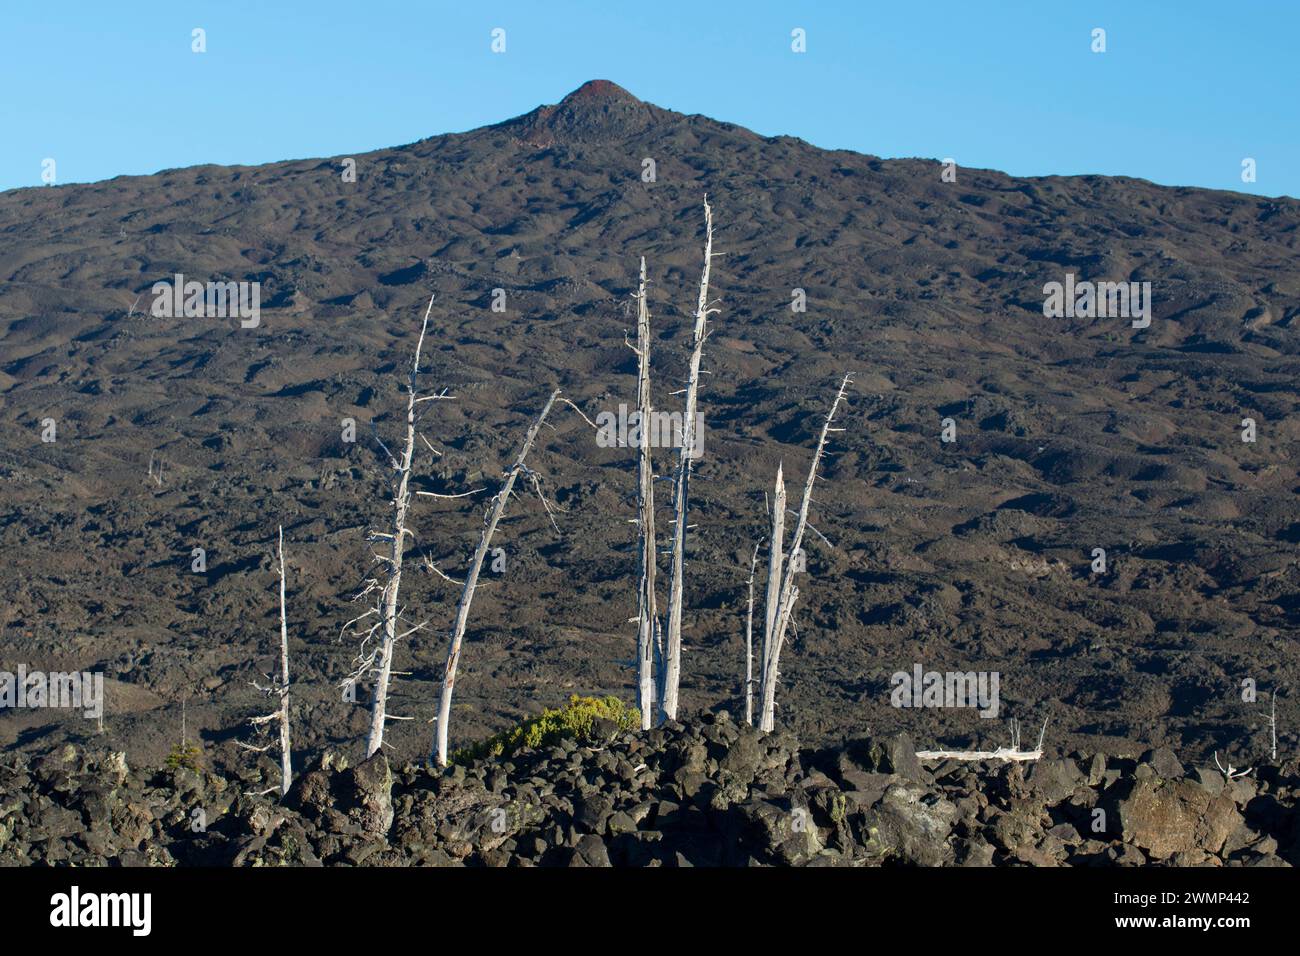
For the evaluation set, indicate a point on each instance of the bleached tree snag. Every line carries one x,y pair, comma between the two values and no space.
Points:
397,548
774,562
771,667
749,642
286,762
1002,753
673,645
471,581
789,593
1230,772
1272,723
280,688
645,513
1012,753
386,585
659,650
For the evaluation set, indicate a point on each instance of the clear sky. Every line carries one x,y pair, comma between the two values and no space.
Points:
1185,91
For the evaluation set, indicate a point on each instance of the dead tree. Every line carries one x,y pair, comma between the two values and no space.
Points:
280,689
749,642
286,763
774,564
1272,723
645,515
789,594
673,644
379,659
1012,753
497,509
1230,772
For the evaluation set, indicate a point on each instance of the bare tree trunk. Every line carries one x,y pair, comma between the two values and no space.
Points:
286,762
471,581
1012,753
790,593
749,643
278,687
673,650
659,655
645,511
774,562
775,565
388,601
1272,721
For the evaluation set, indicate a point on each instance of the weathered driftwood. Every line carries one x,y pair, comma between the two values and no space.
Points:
471,581
645,514
673,643
789,593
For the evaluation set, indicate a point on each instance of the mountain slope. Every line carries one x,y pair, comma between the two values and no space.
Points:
1072,433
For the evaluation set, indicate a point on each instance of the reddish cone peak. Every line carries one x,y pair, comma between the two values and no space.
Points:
596,112
598,91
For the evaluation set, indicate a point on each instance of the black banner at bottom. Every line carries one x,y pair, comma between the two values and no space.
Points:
338,906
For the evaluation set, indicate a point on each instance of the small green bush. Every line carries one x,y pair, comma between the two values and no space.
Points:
573,720
183,757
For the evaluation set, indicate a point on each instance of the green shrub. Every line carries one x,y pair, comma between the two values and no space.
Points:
573,720
183,757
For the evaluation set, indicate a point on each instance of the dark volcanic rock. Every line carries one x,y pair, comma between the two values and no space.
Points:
367,788
574,807
894,754
1165,817
1056,779
911,824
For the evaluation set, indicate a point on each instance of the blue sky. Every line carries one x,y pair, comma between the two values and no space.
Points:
1184,92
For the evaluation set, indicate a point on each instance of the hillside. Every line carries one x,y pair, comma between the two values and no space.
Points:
1072,433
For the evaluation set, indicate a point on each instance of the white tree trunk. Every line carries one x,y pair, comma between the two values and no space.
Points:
673,648
790,593
388,599
1002,753
775,565
286,762
645,510
774,562
749,643
1012,753
771,670
471,582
